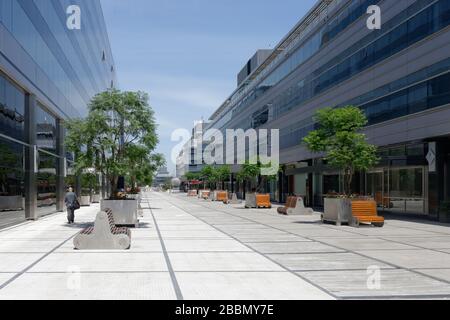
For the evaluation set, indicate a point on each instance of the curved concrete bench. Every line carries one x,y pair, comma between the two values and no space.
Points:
295,206
104,235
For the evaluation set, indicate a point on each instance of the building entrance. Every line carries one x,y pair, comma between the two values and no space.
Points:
399,190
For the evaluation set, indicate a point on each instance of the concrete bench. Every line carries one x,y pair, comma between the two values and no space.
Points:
295,206
104,235
365,212
234,199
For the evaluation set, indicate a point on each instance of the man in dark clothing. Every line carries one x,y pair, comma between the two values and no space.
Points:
71,201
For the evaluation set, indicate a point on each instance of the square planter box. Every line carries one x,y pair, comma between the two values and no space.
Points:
85,201
337,210
95,198
125,212
250,200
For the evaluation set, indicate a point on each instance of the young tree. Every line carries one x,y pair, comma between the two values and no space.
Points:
118,133
223,174
340,139
209,174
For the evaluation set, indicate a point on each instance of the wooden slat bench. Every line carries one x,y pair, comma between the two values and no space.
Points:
365,212
222,196
295,206
104,235
263,201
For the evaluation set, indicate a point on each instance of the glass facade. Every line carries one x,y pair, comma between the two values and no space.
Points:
53,73
12,109
390,74
12,195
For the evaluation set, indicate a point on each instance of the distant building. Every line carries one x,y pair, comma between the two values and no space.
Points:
161,177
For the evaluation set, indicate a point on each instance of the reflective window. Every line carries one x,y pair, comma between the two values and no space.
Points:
46,184
12,175
45,130
12,110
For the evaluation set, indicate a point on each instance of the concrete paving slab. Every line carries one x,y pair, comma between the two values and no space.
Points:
365,244
221,261
193,234
247,286
17,262
434,242
326,261
411,259
90,286
204,246
119,261
443,274
4,277
393,283
292,247
17,246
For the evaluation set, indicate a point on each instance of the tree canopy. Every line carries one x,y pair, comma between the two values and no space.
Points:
339,137
117,138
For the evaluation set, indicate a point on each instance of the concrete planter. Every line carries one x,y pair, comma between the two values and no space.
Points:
250,200
85,201
95,198
337,210
213,196
125,212
12,202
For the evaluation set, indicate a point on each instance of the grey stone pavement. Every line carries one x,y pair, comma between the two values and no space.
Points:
188,248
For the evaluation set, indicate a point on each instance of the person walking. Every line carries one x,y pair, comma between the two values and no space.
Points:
72,204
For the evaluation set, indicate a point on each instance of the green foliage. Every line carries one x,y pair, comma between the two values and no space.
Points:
117,138
340,139
191,176
223,173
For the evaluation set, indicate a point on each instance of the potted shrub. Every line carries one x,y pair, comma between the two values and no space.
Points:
118,133
444,212
345,149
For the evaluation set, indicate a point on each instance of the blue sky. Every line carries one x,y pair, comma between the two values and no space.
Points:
186,53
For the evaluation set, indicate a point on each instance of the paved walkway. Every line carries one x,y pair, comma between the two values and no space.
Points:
193,249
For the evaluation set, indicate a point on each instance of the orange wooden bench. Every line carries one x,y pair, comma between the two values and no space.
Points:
222,196
366,212
263,201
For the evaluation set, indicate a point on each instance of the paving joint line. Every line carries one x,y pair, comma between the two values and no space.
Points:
347,250
173,277
268,258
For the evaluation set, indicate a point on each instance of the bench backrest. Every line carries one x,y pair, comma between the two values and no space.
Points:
222,195
263,198
364,208
292,202
111,222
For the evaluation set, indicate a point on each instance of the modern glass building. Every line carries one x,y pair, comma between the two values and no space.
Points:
48,74
399,76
